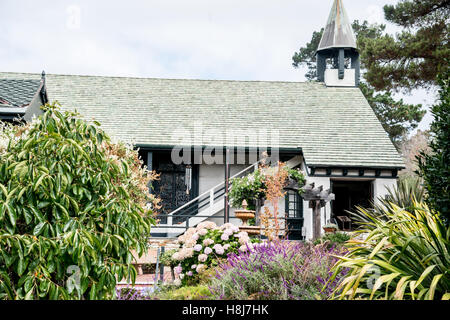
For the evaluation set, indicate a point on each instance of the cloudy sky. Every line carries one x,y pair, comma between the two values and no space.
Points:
201,39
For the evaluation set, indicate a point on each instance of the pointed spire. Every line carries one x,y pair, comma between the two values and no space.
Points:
338,32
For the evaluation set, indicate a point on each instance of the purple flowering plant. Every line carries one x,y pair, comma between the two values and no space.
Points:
280,270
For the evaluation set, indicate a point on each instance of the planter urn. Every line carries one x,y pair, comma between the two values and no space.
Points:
246,215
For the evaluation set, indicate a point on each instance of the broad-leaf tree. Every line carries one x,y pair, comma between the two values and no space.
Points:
397,117
72,207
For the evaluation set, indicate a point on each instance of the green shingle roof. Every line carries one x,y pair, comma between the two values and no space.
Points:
18,92
333,126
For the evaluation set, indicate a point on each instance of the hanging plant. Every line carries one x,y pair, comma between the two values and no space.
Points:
254,185
297,178
250,188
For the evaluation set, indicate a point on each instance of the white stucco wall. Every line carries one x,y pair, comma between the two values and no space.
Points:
380,187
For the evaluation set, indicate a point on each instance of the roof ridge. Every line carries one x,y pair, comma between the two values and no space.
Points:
155,78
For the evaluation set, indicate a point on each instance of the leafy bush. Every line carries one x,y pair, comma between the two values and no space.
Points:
279,270
435,167
199,292
405,257
204,246
250,188
71,209
333,239
166,258
254,185
299,177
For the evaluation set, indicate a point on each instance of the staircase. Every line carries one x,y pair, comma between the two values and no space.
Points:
202,207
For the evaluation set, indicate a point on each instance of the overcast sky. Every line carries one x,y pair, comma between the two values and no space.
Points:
201,39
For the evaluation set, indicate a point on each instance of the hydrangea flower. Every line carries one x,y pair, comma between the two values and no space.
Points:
207,242
201,268
202,257
219,249
198,247
208,250
178,269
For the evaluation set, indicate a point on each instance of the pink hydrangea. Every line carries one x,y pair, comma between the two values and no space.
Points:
202,232
234,228
208,250
207,225
198,247
226,226
224,237
208,241
243,248
202,257
219,249
201,268
189,273
178,269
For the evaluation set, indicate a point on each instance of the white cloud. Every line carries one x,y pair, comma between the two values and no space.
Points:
375,14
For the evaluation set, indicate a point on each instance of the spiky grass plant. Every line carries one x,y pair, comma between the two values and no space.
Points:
404,194
403,257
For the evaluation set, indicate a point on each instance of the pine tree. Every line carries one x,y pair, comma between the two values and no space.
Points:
414,57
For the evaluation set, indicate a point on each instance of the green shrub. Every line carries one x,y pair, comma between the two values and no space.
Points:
403,257
253,186
250,188
71,209
200,292
167,260
335,238
435,167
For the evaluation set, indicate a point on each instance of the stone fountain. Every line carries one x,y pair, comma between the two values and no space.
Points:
246,215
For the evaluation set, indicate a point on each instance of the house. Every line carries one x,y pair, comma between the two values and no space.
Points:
21,98
197,132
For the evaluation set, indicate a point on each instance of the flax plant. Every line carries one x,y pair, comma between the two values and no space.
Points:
405,256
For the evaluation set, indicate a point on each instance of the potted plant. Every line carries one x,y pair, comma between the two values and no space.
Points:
296,180
330,228
249,188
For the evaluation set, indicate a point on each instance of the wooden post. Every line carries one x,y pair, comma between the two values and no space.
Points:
226,208
315,205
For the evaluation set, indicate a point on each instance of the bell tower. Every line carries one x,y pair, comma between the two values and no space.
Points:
338,50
